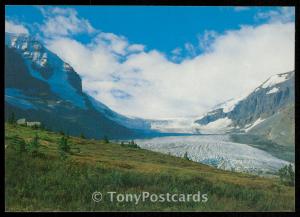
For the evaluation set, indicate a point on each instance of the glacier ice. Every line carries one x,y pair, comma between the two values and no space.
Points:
217,151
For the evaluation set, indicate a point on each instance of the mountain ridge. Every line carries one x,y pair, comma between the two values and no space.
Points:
39,85
266,104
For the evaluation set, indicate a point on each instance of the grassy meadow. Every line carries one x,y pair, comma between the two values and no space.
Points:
46,182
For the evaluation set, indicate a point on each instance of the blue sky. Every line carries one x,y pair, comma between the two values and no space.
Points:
164,62
162,28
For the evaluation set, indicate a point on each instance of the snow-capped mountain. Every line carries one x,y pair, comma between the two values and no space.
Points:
270,105
47,67
40,86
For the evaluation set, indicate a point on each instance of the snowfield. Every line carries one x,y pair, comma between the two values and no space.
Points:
217,151
275,79
249,127
175,125
221,125
273,90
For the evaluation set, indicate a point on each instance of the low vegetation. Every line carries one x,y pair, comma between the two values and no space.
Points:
130,144
45,181
287,175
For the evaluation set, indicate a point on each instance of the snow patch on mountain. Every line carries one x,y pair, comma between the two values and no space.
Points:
276,79
228,105
175,125
250,126
221,125
273,90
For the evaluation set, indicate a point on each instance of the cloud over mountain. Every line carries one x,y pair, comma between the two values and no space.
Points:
137,81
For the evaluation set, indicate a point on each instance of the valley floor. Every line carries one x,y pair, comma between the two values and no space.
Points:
45,182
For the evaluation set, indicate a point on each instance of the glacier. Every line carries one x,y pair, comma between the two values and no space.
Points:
217,151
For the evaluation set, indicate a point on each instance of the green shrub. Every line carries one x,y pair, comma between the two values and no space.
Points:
12,119
287,175
82,136
63,147
18,144
131,144
35,127
33,145
134,146
105,139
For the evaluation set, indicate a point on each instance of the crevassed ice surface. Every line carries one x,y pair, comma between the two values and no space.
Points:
217,151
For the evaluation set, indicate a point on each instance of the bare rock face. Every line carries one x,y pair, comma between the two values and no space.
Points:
73,78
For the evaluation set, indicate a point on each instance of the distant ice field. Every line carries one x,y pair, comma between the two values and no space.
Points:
217,151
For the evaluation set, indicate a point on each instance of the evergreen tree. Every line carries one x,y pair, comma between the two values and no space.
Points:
12,118
64,144
186,156
105,139
63,147
33,146
291,173
19,144
42,127
82,136
287,175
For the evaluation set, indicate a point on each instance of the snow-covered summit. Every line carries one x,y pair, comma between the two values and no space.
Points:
275,79
248,110
48,67
29,46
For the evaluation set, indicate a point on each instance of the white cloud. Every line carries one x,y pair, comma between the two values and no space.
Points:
136,48
190,48
176,54
12,27
63,22
176,51
282,15
207,39
147,84
114,43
